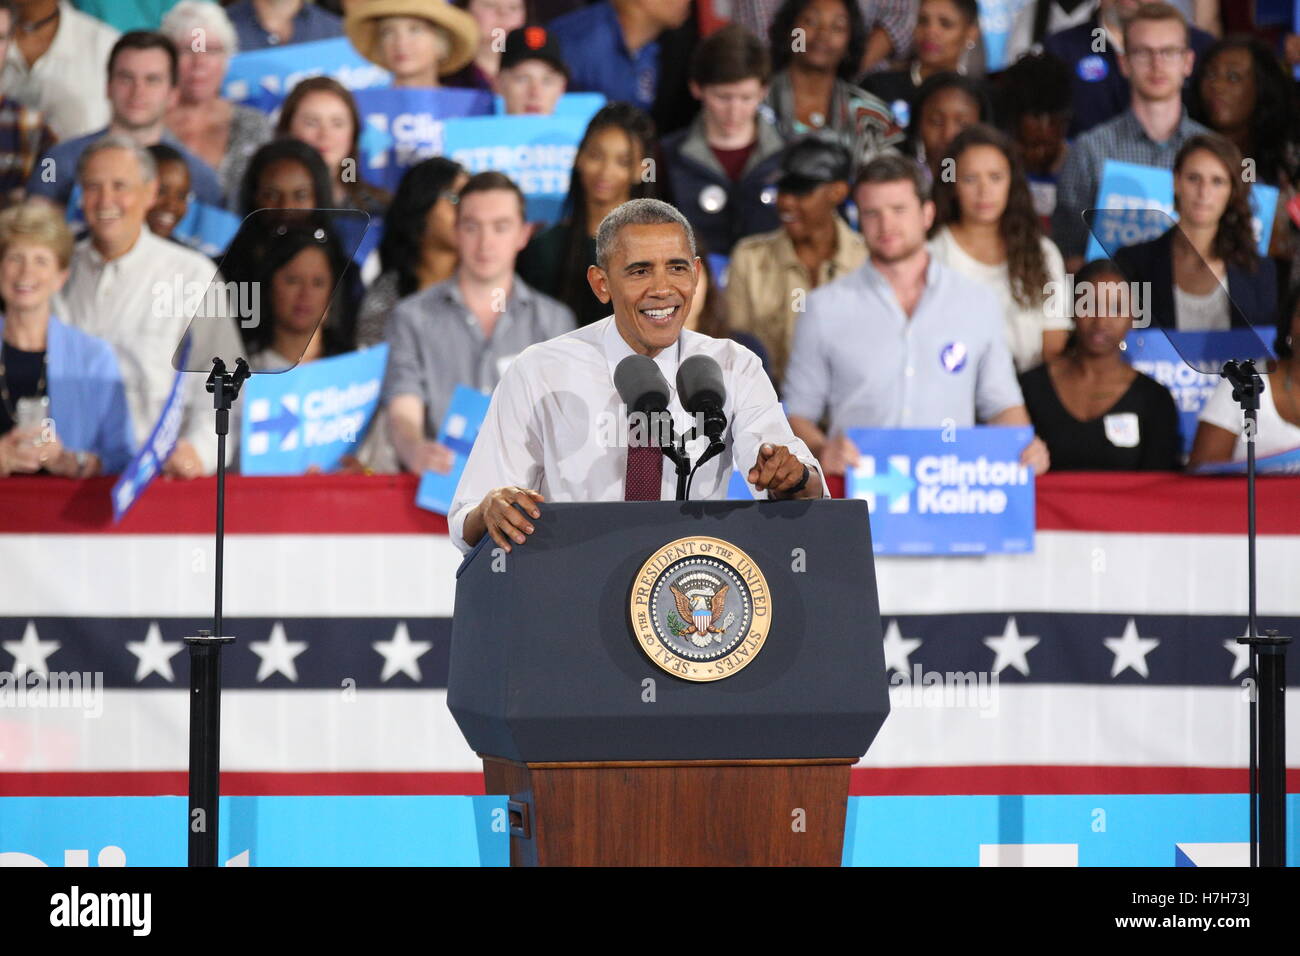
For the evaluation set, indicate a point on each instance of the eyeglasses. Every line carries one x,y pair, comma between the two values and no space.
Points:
1146,55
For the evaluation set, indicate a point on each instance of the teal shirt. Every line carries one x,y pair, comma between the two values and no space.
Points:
125,15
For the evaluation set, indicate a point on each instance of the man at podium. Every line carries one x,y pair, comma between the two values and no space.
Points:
557,429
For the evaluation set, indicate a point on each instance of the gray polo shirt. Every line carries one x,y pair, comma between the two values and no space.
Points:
435,343
858,357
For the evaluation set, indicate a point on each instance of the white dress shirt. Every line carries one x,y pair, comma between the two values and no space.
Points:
131,303
556,423
69,81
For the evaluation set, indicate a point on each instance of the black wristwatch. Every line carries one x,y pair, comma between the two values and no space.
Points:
803,483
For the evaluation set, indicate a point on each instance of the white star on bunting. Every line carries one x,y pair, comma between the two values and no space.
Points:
30,653
898,648
401,654
154,655
277,654
1131,650
1240,655
1011,648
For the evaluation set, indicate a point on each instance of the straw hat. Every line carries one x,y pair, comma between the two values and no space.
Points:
362,27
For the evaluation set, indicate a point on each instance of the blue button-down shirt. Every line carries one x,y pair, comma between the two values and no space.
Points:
858,357
310,23
592,42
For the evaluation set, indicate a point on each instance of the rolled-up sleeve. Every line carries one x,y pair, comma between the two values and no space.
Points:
757,417
806,387
402,373
996,388
507,451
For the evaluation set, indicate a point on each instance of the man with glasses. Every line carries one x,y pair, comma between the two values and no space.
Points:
1098,88
1156,60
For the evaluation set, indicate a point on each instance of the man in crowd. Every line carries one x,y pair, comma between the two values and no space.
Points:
23,133
612,47
56,64
557,429
533,73
123,287
142,77
903,342
467,329
1099,87
720,167
770,275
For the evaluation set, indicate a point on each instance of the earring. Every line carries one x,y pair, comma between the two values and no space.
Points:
965,57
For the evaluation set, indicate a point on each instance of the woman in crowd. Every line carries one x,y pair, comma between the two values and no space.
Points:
606,173
985,228
1204,273
945,105
811,85
1219,430
285,174
418,41
62,402
321,112
946,40
223,134
491,16
708,314
1094,411
419,245
173,200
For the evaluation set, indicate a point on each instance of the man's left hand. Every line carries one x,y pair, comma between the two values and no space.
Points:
777,470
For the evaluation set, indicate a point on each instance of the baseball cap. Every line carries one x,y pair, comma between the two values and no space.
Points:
812,162
532,43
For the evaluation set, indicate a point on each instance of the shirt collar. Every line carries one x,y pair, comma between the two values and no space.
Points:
127,259
1134,129
616,349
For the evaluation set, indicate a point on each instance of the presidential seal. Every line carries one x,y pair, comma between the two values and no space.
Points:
700,608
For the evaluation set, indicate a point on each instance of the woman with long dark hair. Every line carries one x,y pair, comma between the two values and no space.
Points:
945,105
985,227
1204,273
419,244
607,172
1094,410
817,46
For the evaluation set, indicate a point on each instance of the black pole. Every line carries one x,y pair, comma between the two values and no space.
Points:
205,652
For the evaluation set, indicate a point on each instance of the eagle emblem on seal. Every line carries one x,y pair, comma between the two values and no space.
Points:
700,613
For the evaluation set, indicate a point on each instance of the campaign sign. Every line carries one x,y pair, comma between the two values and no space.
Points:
207,229
460,427
996,20
401,126
153,454
1165,357
1136,202
310,415
263,78
1283,463
967,495
537,152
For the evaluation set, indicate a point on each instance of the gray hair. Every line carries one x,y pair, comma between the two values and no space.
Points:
189,15
637,212
148,168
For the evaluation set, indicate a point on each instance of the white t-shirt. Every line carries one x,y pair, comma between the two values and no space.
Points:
1024,327
1274,434
1202,313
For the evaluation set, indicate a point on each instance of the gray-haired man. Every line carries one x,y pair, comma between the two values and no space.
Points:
555,430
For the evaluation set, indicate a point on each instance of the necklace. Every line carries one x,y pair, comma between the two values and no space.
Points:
33,27
4,382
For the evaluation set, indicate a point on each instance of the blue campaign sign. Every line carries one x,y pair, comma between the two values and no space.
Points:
310,415
966,495
207,229
570,104
1137,200
1283,463
996,20
537,152
263,78
401,126
460,427
151,457
258,831
738,488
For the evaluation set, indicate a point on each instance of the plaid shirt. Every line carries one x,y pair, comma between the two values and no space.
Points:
24,137
896,17
1122,139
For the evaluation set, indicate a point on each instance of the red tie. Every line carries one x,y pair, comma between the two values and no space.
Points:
645,468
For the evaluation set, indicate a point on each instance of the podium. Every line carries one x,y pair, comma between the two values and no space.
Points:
673,683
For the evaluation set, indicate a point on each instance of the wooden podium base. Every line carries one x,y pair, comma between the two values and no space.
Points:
674,813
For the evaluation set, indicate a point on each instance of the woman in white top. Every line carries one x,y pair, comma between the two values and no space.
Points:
985,228
1218,434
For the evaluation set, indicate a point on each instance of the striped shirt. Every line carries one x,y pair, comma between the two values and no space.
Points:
1122,139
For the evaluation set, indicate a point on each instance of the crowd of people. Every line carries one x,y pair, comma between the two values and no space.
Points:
886,222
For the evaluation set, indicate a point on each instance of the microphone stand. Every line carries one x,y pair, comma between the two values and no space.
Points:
1267,663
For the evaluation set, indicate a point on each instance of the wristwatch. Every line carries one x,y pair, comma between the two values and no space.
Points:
803,483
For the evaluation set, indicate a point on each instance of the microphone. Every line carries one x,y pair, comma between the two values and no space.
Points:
644,391
699,383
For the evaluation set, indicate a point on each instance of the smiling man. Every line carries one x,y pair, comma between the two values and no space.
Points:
556,430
